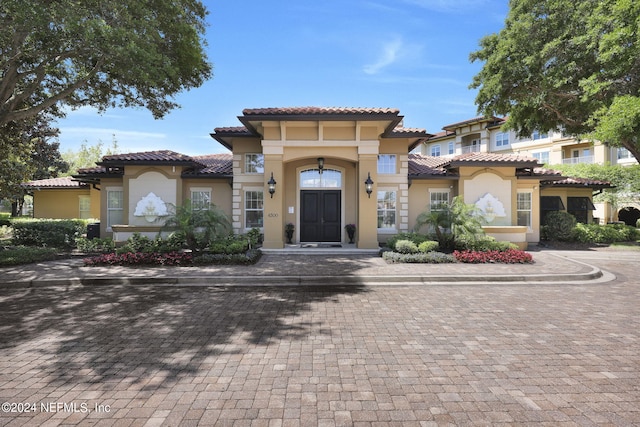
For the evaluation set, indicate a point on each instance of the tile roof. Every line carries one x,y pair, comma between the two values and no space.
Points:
576,182
421,165
214,164
473,120
317,111
494,158
160,156
63,182
233,130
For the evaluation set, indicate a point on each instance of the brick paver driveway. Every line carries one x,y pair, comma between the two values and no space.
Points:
480,355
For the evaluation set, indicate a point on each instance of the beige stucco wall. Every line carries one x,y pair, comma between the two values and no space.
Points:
499,182
63,203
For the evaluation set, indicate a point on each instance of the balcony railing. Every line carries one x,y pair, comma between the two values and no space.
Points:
470,149
576,160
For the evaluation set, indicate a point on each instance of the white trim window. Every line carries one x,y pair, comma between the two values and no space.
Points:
438,200
84,207
539,135
386,163
253,163
386,210
451,147
435,150
200,199
115,206
502,139
524,208
253,208
542,156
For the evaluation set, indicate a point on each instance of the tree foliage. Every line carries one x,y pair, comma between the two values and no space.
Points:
28,151
87,155
102,53
197,227
562,64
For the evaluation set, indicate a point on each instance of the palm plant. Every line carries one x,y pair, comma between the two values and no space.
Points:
451,221
198,227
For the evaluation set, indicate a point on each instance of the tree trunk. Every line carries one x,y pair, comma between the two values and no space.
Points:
633,148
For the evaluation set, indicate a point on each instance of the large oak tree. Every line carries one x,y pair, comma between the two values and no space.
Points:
565,64
102,53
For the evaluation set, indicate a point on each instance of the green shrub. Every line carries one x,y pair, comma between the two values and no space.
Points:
609,233
406,247
483,243
428,246
423,258
140,243
250,257
58,233
25,255
416,238
229,245
103,245
559,225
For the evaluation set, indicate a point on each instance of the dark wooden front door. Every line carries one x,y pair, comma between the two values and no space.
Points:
320,216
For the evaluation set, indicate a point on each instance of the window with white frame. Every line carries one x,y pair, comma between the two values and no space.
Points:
435,150
253,208
542,156
115,206
524,208
386,163
438,200
502,139
200,198
538,135
84,207
386,209
623,153
253,163
452,147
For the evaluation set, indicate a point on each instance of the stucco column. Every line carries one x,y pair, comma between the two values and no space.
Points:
367,206
273,213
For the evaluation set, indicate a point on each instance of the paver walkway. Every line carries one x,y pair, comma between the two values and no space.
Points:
566,354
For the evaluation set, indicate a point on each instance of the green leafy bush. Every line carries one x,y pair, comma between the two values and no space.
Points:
229,245
559,225
250,257
406,247
25,255
424,258
482,243
609,233
58,233
428,246
96,245
416,238
140,243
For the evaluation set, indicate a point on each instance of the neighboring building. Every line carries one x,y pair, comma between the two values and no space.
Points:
322,168
485,135
63,198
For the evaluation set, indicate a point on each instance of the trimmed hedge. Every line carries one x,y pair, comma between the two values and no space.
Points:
416,238
426,258
483,243
250,257
26,255
609,233
57,233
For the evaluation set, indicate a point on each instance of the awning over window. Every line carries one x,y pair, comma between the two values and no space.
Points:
551,203
580,204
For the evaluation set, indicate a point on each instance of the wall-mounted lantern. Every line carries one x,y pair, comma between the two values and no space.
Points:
368,185
320,164
272,185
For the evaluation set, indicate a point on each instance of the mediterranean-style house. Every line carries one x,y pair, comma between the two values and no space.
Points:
319,169
485,135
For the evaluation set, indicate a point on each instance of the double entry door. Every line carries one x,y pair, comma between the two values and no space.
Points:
320,216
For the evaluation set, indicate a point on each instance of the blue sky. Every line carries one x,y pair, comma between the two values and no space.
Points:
405,54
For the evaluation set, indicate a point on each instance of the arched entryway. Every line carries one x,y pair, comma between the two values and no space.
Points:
629,215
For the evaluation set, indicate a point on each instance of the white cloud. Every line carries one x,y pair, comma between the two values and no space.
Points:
390,53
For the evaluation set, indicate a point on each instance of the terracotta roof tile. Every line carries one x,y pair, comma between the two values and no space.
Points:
240,130
493,158
162,156
214,164
317,111
425,165
577,182
63,182
472,120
